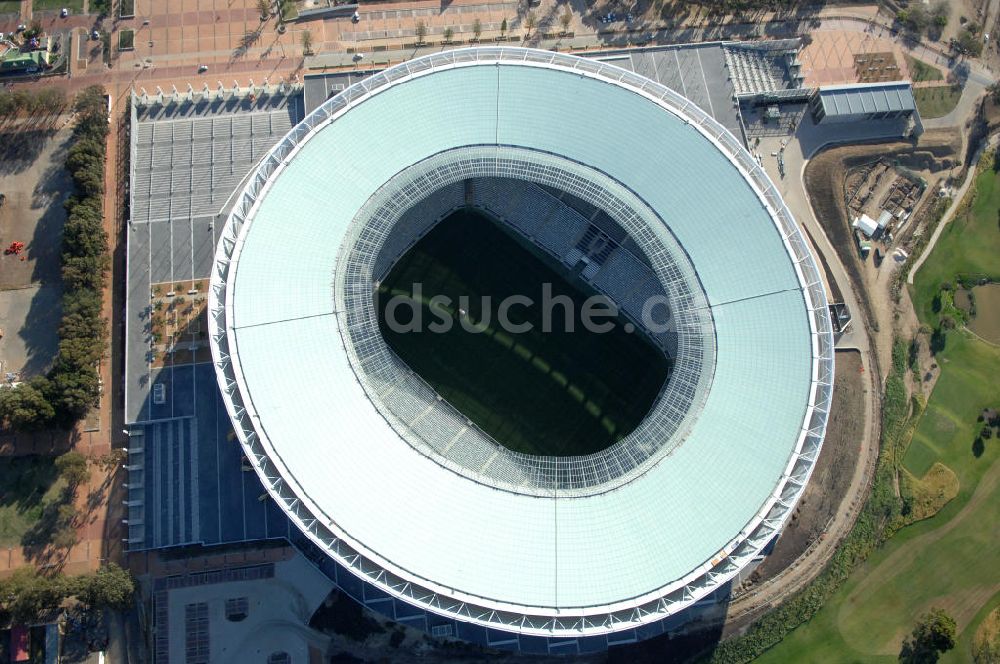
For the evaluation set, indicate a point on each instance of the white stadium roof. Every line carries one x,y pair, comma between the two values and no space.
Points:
547,562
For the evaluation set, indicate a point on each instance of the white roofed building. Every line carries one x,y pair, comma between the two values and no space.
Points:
508,548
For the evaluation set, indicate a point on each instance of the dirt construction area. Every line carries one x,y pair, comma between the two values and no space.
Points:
35,186
936,158
832,475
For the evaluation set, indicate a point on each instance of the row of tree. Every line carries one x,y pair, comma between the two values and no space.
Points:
26,594
72,385
47,101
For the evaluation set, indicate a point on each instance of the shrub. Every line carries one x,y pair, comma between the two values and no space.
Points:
72,467
26,407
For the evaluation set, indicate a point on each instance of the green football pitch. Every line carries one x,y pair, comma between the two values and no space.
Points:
562,392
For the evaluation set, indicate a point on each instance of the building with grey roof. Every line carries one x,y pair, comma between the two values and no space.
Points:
864,101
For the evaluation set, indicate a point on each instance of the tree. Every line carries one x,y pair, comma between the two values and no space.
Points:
72,467
477,28
26,593
84,271
264,7
969,44
51,100
994,90
110,587
529,23
307,42
26,407
933,635
566,19
89,100
448,34
65,533
939,14
915,18
110,461
34,30
503,27
421,31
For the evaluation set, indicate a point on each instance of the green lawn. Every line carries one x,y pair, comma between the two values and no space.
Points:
27,485
951,559
921,71
561,392
76,6
937,101
969,244
126,40
10,6
948,426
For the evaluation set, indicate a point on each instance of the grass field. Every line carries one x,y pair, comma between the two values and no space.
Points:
921,71
970,244
561,392
14,6
75,6
27,485
949,560
126,40
936,101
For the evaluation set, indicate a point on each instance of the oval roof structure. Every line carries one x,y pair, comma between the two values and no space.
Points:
550,563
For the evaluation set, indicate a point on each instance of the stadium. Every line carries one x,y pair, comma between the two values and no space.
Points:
615,184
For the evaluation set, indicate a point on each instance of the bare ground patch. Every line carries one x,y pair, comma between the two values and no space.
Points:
35,185
29,319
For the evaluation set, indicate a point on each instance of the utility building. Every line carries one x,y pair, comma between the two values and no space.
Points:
863,102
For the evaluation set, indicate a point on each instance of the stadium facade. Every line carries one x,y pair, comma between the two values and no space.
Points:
404,493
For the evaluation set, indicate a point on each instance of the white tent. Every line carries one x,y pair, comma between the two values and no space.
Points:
866,224
884,219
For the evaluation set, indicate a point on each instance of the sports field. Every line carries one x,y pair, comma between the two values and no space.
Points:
562,392
950,560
